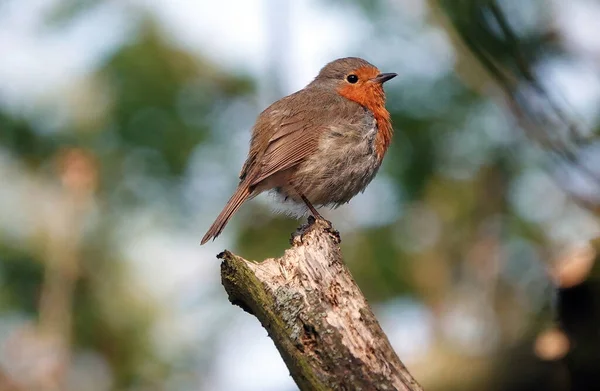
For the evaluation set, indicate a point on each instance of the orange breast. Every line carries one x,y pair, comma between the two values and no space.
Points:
384,132
371,96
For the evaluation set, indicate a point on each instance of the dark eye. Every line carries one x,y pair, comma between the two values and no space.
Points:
352,79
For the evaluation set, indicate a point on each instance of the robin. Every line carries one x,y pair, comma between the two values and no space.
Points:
319,146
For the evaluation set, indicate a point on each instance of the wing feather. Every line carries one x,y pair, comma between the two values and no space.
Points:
296,125
292,144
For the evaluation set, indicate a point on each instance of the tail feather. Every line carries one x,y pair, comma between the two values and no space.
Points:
237,199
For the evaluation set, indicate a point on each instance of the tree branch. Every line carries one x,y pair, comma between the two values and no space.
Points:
317,316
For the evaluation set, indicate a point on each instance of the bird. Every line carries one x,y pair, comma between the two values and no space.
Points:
321,145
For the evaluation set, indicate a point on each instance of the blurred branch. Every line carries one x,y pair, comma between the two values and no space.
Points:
78,174
317,316
482,32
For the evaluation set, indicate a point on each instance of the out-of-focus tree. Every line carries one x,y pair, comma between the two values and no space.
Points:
76,317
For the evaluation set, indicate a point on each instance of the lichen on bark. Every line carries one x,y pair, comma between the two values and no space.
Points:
316,315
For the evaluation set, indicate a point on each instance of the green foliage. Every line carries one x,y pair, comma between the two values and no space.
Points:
20,278
160,106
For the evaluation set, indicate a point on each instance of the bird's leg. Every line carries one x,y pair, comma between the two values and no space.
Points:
312,209
310,206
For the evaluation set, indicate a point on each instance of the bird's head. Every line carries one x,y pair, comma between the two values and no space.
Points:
355,79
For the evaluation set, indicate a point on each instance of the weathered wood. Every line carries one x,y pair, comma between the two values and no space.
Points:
316,315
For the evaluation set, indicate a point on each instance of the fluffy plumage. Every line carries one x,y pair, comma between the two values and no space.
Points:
324,142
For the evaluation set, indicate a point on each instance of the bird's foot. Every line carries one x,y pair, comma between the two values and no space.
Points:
318,218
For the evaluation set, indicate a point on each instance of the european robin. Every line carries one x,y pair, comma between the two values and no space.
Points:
319,146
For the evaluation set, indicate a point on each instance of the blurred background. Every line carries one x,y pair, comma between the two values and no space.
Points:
123,126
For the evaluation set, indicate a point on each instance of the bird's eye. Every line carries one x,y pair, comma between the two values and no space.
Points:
352,79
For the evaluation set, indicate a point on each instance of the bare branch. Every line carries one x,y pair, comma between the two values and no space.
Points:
317,316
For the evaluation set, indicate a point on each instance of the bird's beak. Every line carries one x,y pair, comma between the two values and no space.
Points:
383,77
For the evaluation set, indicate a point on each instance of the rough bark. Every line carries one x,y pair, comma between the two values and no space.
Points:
316,315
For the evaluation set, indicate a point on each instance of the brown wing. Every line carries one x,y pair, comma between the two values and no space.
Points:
291,129
293,142
275,124
289,132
